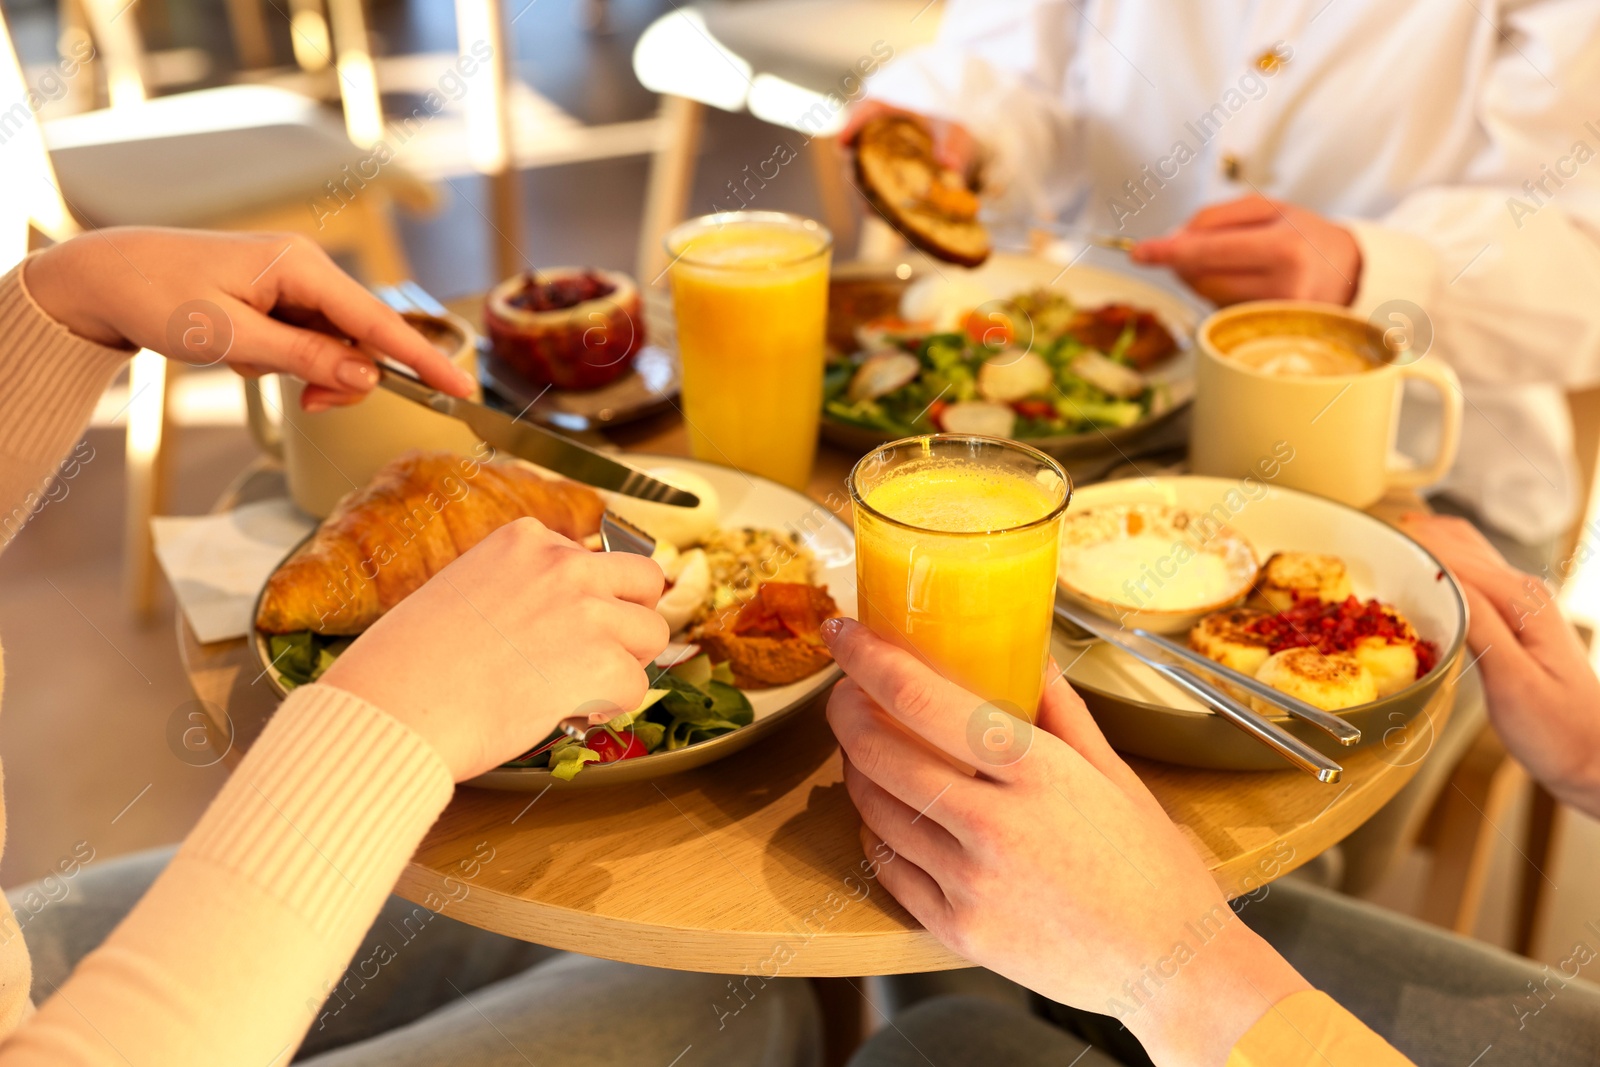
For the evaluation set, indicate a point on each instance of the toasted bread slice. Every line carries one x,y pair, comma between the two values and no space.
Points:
1291,576
929,204
1330,681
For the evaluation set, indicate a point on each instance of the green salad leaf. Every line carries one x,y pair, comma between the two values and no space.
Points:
1041,320
690,702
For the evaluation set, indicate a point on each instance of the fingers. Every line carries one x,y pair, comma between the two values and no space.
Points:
1063,713
640,630
339,373
637,579
912,836
896,761
1250,210
314,282
1524,602
913,887
908,689
1254,249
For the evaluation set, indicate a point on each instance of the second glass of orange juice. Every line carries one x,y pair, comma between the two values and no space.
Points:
956,545
750,295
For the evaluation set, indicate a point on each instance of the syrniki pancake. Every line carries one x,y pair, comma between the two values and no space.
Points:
1291,576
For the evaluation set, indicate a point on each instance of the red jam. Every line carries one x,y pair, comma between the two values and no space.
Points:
560,291
1338,627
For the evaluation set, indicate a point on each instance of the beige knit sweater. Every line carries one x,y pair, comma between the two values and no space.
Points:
225,959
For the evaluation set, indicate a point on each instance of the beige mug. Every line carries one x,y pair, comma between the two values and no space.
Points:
328,454
1279,375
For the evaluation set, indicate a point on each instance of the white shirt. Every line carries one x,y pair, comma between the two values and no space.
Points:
1414,122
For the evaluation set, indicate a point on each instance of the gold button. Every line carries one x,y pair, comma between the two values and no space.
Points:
1232,167
1270,62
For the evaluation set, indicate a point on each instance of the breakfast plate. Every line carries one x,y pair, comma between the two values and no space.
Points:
745,501
936,294
1142,714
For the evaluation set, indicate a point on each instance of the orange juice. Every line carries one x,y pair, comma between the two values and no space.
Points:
956,544
750,293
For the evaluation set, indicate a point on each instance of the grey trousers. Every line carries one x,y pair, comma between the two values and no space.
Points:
1442,1000
436,992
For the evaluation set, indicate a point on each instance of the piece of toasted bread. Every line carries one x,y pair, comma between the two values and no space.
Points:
1291,576
1330,681
927,203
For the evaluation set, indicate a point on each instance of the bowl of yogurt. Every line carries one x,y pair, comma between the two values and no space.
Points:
1154,566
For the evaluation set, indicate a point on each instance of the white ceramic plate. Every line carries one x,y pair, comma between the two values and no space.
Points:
1005,275
1144,714
746,500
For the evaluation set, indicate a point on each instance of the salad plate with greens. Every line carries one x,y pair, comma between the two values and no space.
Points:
1071,361
694,712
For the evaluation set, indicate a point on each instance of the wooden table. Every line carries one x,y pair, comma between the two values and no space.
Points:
755,859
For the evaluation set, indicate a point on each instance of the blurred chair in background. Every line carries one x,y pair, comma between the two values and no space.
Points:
236,158
797,64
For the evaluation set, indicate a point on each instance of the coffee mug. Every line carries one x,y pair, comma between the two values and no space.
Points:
1276,375
330,453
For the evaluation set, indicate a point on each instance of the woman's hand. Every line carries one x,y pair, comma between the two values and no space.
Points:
1544,699
1259,249
520,632
1053,865
258,302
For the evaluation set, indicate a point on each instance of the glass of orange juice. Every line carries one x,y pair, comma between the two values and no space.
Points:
956,543
750,294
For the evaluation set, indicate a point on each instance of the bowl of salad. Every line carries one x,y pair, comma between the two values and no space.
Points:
1073,362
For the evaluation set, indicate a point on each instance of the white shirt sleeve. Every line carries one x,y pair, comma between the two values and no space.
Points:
1505,263
1000,68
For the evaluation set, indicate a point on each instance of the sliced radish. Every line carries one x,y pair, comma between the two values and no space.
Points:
883,373
982,417
1014,374
1105,373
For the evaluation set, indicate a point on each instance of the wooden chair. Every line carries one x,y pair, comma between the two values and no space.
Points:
788,62
232,158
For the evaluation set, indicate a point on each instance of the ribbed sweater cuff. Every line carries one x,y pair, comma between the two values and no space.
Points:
50,378
333,798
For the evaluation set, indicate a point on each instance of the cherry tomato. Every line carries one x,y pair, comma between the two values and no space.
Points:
1038,410
613,745
990,328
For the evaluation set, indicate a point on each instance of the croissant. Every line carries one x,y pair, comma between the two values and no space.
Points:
419,513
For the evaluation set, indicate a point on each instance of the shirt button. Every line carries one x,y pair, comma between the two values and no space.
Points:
1270,62
1232,167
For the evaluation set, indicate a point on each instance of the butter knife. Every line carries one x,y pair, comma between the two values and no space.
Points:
537,445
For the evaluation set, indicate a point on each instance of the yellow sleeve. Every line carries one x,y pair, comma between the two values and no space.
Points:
1310,1029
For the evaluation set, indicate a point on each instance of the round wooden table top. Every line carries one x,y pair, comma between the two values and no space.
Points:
754,862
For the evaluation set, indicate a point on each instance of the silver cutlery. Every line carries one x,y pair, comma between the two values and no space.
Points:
1291,748
536,444
1326,721
619,535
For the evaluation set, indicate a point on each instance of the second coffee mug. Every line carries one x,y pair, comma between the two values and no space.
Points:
1321,380
328,454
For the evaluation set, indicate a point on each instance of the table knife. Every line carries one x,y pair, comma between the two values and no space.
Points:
1256,725
538,445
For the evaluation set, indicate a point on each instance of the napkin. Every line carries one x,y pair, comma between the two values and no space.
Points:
217,564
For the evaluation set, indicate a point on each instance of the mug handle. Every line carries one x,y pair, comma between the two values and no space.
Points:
1439,375
269,437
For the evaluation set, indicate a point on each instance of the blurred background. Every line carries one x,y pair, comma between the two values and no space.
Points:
454,145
